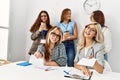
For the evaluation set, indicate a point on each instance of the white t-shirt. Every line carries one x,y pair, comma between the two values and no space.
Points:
107,39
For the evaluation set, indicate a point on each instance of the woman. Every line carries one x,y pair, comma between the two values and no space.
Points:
98,16
70,33
90,46
53,50
39,30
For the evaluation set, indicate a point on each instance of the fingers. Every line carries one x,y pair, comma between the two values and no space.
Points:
90,57
86,71
38,55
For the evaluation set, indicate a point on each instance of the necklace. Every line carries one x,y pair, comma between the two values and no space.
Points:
65,26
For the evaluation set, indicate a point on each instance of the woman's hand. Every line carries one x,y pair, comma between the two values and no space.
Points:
38,54
65,37
85,70
42,27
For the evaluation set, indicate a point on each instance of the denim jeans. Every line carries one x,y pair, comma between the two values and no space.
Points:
70,52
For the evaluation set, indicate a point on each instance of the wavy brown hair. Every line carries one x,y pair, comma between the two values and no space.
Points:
47,44
64,13
38,21
98,16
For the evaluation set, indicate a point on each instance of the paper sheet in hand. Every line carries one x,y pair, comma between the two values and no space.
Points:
87,62
37,62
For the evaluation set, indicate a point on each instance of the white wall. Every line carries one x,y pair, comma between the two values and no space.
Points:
17,30
27,12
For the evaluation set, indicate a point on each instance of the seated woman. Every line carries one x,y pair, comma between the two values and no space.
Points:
90,46
53,51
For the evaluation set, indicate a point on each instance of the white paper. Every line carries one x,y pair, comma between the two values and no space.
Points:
87,62
43,41
38,62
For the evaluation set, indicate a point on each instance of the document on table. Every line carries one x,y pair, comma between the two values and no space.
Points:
38,62
87,62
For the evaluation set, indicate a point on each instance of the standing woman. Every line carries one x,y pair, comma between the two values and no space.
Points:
53,51
90,45
70,33
39,30
98,16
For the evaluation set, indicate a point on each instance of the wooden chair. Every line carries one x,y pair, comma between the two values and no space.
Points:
3,62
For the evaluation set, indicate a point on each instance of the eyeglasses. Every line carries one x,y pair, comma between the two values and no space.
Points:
55,35
91,29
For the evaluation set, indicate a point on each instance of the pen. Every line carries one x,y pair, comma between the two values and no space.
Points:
91,75
66,72
49,69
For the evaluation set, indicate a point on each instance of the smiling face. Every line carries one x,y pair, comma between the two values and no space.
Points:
90,31
68,15
55,36
44,17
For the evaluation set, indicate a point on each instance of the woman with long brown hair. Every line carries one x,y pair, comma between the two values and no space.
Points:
53,51
39,30
98,16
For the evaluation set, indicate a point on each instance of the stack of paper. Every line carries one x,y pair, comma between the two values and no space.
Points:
38,62
87,62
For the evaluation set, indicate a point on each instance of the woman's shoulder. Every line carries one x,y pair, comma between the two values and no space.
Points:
98,46
60,45
72,21
41,46
59,23
105,29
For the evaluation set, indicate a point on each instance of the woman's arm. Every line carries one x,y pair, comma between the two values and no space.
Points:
98,67
60,55
107,40
75,33
99,55
50,63
35,35
85,70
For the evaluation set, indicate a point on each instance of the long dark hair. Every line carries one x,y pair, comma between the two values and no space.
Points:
98,16
38,21
47,44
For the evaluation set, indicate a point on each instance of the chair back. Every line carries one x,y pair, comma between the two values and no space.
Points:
3,62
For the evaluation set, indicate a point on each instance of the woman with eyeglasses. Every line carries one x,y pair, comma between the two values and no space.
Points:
90,45
53,51
39,30
70,33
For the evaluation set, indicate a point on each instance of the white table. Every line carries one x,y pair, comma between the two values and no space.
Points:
15,72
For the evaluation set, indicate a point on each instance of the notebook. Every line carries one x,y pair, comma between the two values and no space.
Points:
26,63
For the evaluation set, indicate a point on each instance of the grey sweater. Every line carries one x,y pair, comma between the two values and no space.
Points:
58,54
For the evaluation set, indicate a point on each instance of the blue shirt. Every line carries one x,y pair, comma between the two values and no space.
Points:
67,27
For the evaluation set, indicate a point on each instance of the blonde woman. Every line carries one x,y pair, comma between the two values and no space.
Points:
53,50
90,45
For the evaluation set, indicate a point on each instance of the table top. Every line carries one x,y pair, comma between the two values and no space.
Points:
15,72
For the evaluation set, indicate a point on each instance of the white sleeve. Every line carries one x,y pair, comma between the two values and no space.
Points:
107,40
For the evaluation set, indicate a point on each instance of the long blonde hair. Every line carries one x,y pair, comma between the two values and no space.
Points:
47,44
98,38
